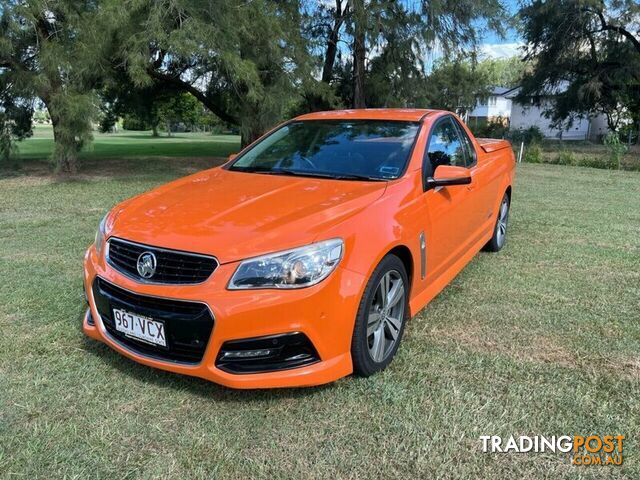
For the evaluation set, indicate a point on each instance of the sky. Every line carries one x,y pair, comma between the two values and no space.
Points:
493,46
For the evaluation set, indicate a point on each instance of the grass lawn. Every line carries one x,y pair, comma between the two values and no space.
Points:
542,338
131,144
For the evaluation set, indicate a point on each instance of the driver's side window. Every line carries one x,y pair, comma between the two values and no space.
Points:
445,147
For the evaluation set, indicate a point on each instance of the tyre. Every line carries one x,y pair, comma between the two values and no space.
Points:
500,230
382,315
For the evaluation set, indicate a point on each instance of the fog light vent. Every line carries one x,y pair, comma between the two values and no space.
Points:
267,354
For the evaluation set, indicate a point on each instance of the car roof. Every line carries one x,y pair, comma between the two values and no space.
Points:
405,114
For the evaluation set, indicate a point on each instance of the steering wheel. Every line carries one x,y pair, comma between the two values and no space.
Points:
307,161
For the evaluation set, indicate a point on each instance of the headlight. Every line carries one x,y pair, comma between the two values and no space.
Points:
99,242
297,268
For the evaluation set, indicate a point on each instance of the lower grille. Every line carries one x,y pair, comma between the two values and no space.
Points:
267,354
188,325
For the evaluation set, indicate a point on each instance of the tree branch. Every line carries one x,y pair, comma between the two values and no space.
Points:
615,28
208,102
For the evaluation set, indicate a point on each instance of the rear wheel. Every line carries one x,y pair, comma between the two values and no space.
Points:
500,230
381,317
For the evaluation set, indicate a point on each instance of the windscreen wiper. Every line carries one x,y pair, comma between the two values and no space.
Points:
303,173
332,176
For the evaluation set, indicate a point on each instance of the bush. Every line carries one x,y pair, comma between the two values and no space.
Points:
493,129
565,157
616,149
533,153
531,135
131,122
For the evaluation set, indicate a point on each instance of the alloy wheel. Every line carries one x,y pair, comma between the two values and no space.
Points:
503,218
386,314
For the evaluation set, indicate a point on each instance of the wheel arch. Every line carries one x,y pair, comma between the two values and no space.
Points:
404,254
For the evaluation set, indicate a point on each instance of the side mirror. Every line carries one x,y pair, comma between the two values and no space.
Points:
448,175
232,156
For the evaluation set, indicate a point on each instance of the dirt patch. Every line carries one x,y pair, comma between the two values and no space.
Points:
628,367
516,344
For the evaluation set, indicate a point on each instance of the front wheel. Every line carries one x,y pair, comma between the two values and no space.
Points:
500,230
382,314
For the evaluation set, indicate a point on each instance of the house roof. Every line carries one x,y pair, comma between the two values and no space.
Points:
507,92
499,91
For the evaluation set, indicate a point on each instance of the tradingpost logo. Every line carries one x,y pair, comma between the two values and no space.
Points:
583,449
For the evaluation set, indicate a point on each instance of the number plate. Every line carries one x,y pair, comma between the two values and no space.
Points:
139,327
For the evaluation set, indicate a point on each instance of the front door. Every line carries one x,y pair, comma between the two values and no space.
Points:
450,227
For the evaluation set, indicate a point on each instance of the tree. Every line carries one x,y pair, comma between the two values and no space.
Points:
15,120
50,50
503,72
456,85
245,61
369,28
587,54
181,108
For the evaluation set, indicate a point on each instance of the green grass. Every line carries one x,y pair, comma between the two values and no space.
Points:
130,144
541,338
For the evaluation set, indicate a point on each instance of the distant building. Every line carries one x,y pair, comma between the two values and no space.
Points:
526,115
493,108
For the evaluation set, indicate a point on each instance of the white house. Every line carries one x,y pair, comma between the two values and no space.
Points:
526,115
497,106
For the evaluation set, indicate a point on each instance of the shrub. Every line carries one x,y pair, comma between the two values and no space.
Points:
494,129
131,122
529,135
616,149
533,153
565,157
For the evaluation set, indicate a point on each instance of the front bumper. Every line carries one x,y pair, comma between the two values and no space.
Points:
324,313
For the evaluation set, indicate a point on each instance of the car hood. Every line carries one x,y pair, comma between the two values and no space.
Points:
236,215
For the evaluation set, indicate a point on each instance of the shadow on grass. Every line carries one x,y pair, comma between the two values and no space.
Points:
195,385
164,168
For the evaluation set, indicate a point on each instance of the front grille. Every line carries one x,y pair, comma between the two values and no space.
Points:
172,266
188,325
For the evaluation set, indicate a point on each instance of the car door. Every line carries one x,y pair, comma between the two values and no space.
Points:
447,207
482,190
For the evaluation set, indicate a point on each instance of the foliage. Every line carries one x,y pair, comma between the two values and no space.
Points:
52,51
533,153
245,61
586,54
529,135
134,123
401,34
15,122
615,148
566,157
497,128
582,154
455,85
503,72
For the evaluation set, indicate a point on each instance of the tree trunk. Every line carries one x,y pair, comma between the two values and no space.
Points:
154,128
248,136
359,52
65,149
168,128
332,42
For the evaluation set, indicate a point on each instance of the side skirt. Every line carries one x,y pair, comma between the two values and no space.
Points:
423,298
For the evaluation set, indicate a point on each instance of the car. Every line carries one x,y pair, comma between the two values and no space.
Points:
300,260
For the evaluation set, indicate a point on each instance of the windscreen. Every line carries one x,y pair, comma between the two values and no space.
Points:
344,149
